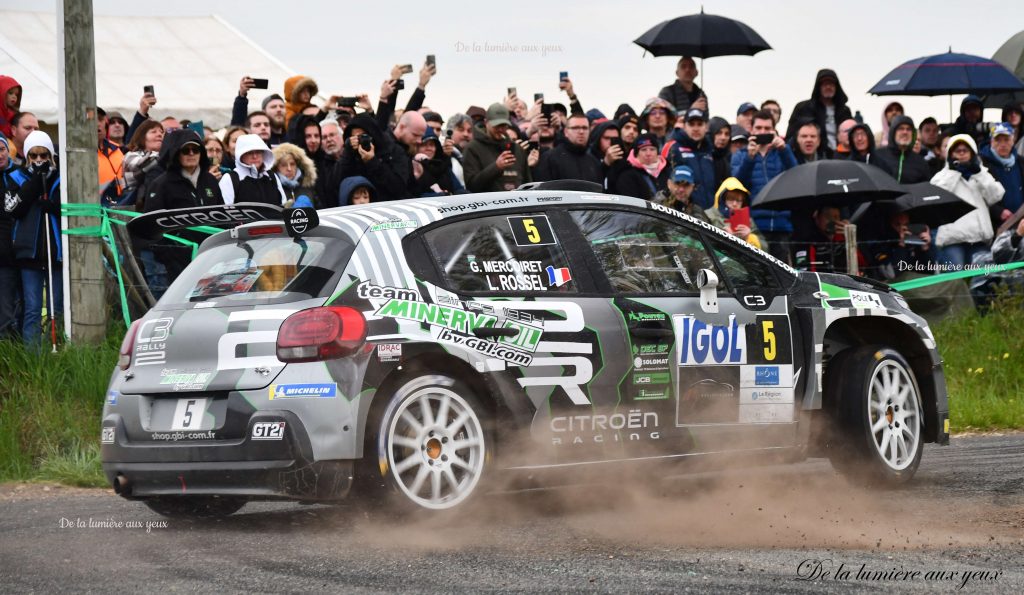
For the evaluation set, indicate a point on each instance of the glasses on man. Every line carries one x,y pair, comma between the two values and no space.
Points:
37,156
190,150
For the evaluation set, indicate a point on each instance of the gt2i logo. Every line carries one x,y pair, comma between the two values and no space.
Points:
151,342
268,430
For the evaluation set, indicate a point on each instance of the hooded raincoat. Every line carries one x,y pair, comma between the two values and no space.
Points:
980,189
815,109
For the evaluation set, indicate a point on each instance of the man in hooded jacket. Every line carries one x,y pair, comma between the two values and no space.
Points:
898,158
11,179
827,106
186,183
491,161
252,180
969,121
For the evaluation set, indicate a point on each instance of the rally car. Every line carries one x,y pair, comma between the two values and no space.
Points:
414,352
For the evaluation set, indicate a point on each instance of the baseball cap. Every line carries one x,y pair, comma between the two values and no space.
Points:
475,111
1001,129
696,114
497,114
745,107
739,133
682,173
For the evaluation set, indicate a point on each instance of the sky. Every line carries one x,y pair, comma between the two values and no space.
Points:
483,48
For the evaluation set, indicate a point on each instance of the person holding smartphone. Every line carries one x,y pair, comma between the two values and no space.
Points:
766,156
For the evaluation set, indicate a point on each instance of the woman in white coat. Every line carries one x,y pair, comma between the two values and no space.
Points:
965,176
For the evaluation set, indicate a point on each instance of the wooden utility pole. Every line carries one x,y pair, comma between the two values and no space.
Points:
85,308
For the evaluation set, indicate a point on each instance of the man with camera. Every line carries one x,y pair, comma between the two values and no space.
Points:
273,108
571,160
492,162
767,155
367,151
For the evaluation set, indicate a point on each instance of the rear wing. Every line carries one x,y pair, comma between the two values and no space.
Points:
152,226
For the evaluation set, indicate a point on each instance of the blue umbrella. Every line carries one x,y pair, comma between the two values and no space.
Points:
948,74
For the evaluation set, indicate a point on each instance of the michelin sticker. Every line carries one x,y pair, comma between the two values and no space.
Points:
299,391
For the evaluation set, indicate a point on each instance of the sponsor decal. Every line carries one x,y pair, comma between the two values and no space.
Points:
657,363
705,344
766,413
647,393
456,319
107,436
766,375
597,428
389,352
394,224
496,309
301,391
652,378
226,214
367,290
715,230
185,379
299,221
532,230
549,199
112,396
486,347
708,395
151,342
761,395
176,436
472,206
651,348
268,430
645,316
862,299
558,277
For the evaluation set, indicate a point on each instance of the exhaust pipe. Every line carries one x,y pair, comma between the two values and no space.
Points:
122,487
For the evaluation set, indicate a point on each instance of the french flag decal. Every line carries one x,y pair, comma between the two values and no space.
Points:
558,277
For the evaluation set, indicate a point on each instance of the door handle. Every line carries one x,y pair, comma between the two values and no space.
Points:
651,333
488,331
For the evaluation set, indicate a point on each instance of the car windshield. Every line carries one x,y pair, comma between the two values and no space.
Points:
262,270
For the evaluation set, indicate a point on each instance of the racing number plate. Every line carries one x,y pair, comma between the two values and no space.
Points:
189,414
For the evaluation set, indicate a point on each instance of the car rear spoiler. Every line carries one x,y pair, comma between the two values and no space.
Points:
152,226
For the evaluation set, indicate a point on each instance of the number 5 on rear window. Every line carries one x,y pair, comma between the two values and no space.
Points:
534,230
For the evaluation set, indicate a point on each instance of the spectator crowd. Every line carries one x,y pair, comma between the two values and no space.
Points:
292,151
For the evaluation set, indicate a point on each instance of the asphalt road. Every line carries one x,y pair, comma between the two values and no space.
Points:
959,526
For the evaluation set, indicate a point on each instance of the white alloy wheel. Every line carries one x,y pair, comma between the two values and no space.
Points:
894,415
435,447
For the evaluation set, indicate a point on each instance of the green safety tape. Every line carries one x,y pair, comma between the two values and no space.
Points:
109,217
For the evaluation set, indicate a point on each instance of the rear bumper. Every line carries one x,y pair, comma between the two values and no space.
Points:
193,464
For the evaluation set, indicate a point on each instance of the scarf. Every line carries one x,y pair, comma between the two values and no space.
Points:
1008,162
291,182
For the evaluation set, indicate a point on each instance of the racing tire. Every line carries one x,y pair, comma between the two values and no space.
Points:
431,449
195,507
878,434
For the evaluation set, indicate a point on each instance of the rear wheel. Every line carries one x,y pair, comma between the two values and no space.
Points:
432,445
195,507
878,416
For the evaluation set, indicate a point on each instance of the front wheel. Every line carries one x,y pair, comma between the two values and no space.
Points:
195,507
433,444
879,417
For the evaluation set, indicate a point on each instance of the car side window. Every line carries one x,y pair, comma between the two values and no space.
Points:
502,254
643,254
743,270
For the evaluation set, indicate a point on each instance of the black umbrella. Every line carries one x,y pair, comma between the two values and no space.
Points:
927,203
830,183
702,36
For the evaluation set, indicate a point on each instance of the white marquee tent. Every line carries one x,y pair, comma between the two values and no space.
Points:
194,63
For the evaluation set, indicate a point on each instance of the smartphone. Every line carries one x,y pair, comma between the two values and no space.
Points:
260,84
346,102
916,229
534,145
508,146
545,110
511,91
405,68
431,61
563,75
148,89
764,139
538,97
615,142
399,85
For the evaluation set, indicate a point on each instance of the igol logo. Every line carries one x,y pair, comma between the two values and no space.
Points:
711,344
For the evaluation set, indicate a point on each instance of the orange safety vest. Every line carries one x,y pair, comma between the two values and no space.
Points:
111,166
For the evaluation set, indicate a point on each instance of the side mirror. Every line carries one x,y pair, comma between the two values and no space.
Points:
707,283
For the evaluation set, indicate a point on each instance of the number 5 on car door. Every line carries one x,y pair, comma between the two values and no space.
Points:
534,230
768,340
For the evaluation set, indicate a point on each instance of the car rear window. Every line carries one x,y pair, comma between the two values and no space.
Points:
262,270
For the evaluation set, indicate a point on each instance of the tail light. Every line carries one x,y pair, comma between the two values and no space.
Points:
128,345
320,334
